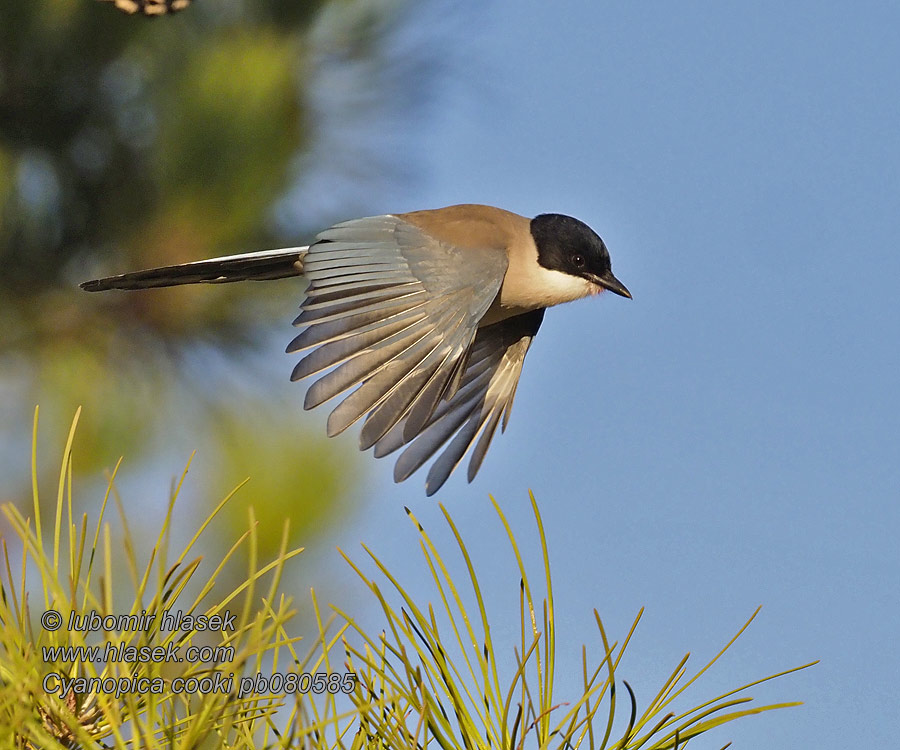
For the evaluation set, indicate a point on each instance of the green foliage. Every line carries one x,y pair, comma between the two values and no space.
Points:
110,126
128,142
225,137
435,674
297,479
414,693
78,571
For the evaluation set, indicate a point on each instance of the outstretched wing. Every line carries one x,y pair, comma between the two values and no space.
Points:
391,312
485,396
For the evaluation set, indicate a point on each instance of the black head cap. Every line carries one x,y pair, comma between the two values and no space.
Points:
571,246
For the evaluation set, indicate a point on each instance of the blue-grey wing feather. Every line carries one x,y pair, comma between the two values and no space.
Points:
393,311
472,415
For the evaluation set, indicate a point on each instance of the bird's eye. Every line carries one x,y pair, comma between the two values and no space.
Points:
578,260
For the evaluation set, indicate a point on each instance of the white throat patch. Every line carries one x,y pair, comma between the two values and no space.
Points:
556,287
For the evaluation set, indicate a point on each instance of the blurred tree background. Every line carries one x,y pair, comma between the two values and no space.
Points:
129,142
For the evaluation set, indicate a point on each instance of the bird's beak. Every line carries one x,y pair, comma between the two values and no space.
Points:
608,281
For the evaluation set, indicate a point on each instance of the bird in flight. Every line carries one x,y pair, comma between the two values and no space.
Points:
424,317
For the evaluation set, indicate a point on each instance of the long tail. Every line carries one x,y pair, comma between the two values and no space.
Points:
260,266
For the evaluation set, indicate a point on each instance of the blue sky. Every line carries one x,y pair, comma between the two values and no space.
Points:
730,437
